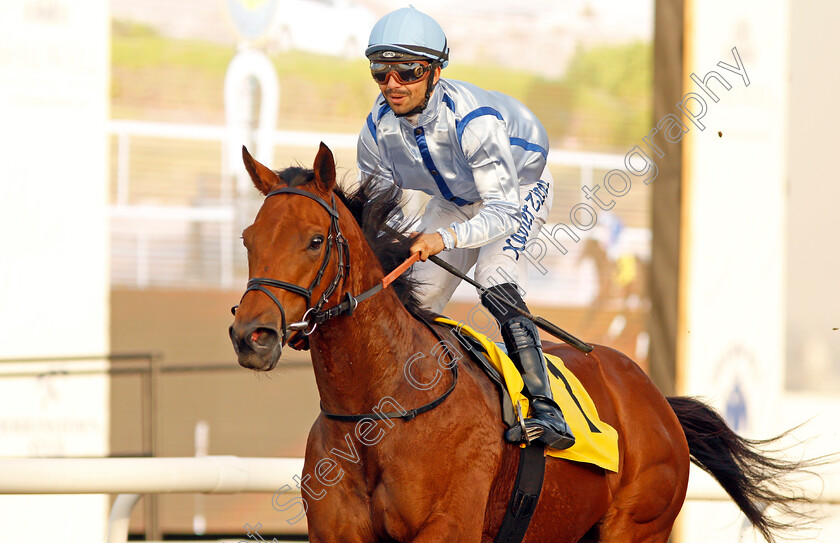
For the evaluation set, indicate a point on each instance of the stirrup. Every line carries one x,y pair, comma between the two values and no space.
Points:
521,433
545,412
537,430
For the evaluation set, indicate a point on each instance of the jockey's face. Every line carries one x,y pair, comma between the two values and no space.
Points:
403,97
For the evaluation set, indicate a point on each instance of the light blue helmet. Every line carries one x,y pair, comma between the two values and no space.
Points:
407,34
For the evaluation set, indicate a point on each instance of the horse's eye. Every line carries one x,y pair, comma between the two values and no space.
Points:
316,242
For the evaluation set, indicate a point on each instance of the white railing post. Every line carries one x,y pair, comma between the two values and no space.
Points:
226,256
587,175
142,259
119,517
133,477
123,163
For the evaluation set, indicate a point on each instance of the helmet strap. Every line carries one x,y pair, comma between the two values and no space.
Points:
430,86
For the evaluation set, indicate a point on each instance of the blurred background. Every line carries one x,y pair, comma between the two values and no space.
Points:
122,198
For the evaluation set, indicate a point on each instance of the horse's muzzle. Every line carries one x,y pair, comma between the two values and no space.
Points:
258,347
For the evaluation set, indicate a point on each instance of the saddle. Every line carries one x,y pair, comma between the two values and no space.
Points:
596,442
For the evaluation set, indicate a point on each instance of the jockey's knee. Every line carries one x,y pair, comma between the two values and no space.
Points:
499,298
433,298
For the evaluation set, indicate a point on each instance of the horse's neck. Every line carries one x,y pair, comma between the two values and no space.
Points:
360,359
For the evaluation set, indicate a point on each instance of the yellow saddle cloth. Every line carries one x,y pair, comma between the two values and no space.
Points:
596,442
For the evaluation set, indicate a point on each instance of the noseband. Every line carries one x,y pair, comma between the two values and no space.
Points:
313,315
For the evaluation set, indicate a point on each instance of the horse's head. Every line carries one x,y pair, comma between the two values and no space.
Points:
296,258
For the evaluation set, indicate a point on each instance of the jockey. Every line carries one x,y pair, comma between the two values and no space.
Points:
481,156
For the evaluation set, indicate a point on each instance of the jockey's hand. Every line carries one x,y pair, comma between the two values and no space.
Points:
426,244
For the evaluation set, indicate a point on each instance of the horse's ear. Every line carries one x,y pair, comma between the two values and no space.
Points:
325,168
264,179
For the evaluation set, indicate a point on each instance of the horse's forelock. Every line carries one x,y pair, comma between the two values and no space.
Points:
295,176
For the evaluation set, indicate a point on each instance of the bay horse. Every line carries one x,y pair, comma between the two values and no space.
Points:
446,474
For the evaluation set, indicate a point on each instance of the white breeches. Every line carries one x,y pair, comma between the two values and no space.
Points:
495,263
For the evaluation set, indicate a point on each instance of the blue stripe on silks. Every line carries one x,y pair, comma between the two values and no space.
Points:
383,110
486,110
449,103
528,146
372,127
420,136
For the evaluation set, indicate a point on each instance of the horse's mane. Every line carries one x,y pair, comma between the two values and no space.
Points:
373,208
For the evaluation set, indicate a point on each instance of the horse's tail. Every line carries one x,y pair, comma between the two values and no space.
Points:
752,478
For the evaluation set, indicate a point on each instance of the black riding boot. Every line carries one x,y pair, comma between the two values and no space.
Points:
546,424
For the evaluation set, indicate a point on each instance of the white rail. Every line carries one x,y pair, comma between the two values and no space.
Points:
124,130
212,474
137,220
132,477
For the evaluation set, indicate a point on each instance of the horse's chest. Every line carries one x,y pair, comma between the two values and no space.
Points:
388,515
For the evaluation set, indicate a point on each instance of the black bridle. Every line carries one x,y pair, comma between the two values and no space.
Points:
313,315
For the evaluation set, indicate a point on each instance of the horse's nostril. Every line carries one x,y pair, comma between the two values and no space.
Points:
263,338
259,336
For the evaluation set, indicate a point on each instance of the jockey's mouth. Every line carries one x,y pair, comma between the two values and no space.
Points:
394,95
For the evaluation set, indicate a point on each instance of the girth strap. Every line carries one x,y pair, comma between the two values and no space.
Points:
525,496
529,476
